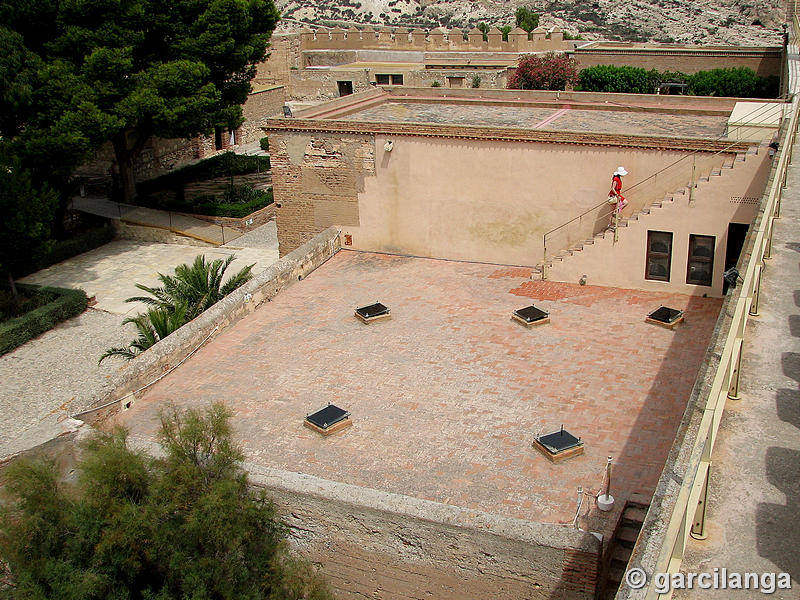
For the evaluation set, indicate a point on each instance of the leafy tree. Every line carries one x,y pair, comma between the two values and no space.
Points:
613,79
27,217
184,526
738,82
484,29
546,72
527,19
505,30
197,286
125,71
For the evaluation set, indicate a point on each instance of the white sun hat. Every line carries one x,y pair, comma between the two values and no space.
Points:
620,171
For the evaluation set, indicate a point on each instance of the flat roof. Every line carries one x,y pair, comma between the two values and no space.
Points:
767,114
447,396
565,117
388,67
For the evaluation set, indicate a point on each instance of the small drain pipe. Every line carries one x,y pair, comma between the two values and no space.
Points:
605,501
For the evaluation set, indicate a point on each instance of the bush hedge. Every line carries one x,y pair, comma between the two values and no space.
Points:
617,80
67,304
237,201
221,165
739,82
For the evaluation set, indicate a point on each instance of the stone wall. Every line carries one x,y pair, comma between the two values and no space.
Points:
764,61
439,195
260,105
539,40
316,182
374,544
321,84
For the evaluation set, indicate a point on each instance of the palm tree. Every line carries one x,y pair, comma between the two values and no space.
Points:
199,286
153,326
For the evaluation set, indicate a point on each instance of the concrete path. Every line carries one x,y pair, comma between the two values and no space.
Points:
172,221
754,505
56,374
111,271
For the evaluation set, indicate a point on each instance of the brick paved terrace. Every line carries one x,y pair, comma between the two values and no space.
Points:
568,117
447,396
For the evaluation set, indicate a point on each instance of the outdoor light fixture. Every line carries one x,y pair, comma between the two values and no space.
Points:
388,146
731,277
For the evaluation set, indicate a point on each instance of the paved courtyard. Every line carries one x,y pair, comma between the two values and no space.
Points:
447,396
112,271
566,118
56,374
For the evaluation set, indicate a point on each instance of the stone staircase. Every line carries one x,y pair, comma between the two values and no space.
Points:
636,215
621,546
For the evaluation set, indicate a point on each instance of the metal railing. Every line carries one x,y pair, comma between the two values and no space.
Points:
683,513
679,178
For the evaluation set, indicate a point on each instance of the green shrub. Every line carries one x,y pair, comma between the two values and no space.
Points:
613,79
436,84
526,18
17,331
237,203
738,82
221,165
476,81
264,143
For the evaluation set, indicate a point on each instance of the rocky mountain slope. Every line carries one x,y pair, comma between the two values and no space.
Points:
743,22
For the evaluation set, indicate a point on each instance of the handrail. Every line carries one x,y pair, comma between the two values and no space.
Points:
680,510
639,184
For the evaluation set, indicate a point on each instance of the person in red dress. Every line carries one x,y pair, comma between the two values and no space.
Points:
616,188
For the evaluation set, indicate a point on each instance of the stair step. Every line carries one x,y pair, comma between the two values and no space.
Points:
627,535
615,577
639,500
620,554
633,515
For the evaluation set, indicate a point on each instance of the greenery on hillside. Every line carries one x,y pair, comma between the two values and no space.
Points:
187,525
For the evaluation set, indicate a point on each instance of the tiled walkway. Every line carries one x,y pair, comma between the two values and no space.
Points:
448,395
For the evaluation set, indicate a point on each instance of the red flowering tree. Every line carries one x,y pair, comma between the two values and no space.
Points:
544,72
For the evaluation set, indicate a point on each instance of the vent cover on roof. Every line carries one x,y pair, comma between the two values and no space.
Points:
373,312
559,445
665,317
328,420
530,316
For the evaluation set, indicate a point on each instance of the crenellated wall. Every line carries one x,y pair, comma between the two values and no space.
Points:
539,40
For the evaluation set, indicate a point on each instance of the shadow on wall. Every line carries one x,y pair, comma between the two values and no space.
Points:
776,541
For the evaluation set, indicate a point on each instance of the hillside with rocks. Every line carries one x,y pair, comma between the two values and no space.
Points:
741,22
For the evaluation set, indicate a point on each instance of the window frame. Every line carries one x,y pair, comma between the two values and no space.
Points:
649,254
709,260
